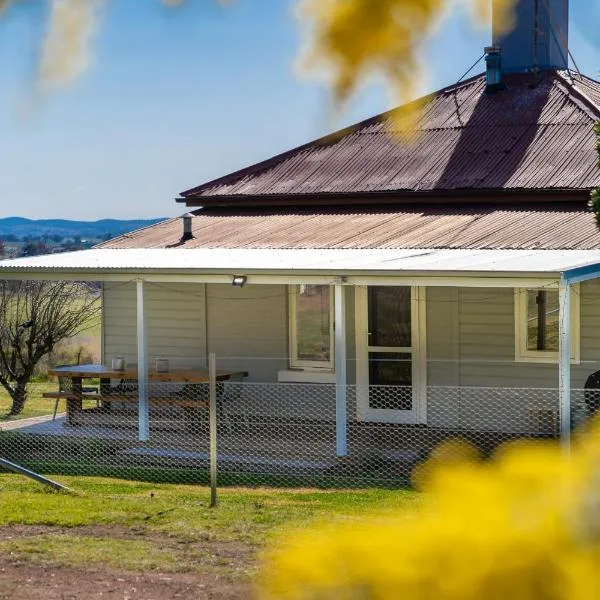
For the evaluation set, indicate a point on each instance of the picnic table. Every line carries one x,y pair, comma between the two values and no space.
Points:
74,392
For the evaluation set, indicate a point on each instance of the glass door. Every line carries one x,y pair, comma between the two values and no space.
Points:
389,371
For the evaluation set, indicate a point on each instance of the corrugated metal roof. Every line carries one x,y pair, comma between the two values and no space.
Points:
551,227
530,136
267,261
588,86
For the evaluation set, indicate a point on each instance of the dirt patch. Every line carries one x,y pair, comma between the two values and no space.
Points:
25,581
206,568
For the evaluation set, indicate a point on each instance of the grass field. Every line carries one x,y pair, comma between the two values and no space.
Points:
142,540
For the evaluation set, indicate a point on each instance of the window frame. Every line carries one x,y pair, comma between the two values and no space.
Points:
522,353
299,363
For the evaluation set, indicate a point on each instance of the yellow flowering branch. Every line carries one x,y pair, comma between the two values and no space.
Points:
525,526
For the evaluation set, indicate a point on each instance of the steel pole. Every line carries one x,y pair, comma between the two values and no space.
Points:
564,363
212,375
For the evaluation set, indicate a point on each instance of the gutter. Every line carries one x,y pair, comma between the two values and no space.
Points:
468,196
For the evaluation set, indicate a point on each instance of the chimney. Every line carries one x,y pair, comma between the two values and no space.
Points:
493,70
187,227
539,40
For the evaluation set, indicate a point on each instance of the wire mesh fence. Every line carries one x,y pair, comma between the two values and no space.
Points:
268,432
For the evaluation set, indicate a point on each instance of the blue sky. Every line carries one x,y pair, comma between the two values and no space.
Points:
176,97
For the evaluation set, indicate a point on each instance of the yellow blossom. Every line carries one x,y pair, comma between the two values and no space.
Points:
522,526
352,40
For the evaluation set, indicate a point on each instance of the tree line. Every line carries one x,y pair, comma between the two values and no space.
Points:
12,246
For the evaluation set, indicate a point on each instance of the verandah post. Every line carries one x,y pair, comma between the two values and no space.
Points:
341,410
213,456
142,361
564,362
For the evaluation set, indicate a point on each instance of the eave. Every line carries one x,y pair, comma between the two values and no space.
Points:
470,195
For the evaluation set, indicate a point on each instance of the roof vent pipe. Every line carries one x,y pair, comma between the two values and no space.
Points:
187,227
493,72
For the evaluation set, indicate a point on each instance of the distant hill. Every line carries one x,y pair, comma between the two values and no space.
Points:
21,227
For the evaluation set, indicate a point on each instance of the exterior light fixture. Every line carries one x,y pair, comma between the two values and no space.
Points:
239,281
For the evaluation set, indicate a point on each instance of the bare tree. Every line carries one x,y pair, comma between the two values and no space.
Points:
34,317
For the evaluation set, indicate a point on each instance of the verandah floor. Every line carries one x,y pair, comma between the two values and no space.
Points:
277,445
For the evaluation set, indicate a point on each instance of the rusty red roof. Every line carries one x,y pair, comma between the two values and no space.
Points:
510,170
554,227
532,136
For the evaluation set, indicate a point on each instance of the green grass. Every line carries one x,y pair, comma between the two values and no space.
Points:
35,406
243,513
132,526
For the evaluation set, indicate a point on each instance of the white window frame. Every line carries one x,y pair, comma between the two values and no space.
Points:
309,365
522,353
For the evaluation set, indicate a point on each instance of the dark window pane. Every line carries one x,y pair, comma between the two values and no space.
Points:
312,322
390,379
390,316
542,320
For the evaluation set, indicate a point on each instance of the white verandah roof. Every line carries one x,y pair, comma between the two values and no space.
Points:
480,268
276,265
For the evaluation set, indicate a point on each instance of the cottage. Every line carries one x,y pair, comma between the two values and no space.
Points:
382,292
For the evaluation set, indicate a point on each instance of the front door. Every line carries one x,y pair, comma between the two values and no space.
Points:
390,346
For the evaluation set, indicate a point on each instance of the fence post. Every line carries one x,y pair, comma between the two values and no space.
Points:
212,376
142,359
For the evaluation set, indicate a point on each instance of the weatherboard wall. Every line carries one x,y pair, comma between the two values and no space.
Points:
246,327
176,324
470,345
486,345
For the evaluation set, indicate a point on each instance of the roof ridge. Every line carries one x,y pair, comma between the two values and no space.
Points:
580,95
586,80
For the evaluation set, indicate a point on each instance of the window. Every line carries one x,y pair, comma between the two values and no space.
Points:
311,326
536,324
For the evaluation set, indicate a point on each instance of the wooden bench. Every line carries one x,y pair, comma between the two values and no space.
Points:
154,400
75,393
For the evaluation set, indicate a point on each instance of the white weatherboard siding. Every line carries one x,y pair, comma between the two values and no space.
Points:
247,329
470,344
175,323
487,343
442,356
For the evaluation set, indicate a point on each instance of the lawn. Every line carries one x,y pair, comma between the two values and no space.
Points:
35,406
159,540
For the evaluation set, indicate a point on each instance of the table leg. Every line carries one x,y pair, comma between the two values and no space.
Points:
105,391
74,406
